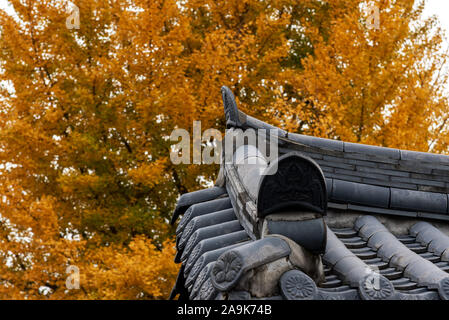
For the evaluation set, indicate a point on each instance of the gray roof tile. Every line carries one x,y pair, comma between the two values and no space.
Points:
219,240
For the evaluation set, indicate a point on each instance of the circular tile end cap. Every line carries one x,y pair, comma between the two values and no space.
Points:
376,287
227,271
296,285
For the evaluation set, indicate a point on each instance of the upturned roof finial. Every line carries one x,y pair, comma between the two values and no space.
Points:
230,108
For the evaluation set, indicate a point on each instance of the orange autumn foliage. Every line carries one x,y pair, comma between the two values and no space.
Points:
85,116
140,271
382,85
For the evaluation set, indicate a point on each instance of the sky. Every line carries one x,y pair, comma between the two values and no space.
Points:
439,8
4,5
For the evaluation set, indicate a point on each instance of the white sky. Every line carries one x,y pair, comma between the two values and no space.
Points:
4,5
439,8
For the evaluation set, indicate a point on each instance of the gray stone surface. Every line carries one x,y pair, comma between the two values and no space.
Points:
205,259
295,285
431,237
418,201
350,294
343,261
202,277
424,157
391,249
371,150
375,287
358,193
292,181
399,189
230,108
201,209
317,142
188,199
205,220
210,232
239,295
263,281
212,244
257,124
310,234
443,288
302,259
231,266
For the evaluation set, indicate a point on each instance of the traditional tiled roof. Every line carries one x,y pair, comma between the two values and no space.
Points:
337,220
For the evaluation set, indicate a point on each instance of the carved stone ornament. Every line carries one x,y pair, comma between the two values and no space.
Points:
191,277
296,285
376,287
204,274
296,182
189,245
194,254
196,269
227,271
186,234
230,108
207,291
185,219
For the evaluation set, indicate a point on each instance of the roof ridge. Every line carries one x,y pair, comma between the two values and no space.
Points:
355,162
239,119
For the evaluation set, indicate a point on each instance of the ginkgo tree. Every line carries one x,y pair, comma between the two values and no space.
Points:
86,115
381,84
